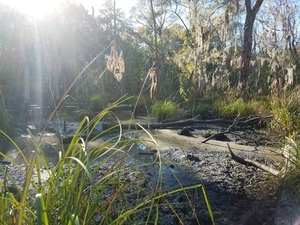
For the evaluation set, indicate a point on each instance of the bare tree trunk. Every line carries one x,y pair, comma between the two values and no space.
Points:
247,44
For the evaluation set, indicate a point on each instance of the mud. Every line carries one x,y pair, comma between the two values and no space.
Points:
236,193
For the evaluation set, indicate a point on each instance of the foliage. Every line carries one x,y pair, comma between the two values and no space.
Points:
86,187
199,48
286,112
163,110
291,152
232,106
142,104
96,103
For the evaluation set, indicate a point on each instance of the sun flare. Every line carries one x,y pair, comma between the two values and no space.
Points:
34,8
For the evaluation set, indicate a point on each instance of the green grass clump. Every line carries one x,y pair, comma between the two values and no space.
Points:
286,112
87,187
239,106
291,152
96,103
163,110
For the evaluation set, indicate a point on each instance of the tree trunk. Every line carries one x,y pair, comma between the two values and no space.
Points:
247,44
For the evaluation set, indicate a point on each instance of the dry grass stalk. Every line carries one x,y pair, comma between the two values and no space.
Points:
115,63
153,77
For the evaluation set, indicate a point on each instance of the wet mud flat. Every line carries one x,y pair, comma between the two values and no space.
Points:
236,192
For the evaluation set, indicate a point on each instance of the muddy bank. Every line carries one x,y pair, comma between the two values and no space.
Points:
236,192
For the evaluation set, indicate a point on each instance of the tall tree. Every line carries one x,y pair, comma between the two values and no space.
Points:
251,13
153,20
154,77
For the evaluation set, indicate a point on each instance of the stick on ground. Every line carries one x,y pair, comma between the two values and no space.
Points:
248,162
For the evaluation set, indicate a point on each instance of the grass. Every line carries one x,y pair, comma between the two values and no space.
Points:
286,112
100,186
233,107
163,110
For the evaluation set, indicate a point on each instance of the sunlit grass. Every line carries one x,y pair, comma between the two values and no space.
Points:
101,186
286,112
239,106
163,110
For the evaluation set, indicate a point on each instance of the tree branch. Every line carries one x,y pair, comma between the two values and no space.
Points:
248,162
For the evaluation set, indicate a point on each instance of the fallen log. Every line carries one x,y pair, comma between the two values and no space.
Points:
248,162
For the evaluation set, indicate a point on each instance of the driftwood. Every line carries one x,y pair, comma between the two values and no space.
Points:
248,162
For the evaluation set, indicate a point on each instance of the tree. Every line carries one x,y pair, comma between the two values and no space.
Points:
153,20
247,43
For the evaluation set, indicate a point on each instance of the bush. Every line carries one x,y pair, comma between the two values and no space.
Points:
239,106
96,103
286,112
163,110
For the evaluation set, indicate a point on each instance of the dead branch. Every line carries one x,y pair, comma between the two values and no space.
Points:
248,162
224,132
237,121
214,135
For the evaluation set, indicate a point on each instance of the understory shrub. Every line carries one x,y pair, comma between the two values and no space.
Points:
286,112
96,103
239,106
163,110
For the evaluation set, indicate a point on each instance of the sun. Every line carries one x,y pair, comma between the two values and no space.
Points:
34,8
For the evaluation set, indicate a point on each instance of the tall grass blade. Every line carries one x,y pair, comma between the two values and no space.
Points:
210,212
22,205
41,211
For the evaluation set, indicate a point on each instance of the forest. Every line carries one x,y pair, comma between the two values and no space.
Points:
192,49
183,50
174,61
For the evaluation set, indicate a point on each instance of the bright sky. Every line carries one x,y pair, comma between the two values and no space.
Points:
125,5
40,8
